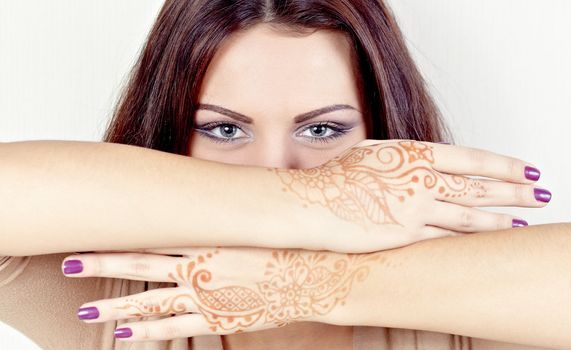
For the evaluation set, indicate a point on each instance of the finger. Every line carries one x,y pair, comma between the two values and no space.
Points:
186,251
165,251
482,192
430,232
132,266
161,251
462,160
465,219
116,251
156,302
181,326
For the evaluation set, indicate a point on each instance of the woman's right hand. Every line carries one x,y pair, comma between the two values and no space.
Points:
404,191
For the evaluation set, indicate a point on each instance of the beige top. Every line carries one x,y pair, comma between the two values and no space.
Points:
38,300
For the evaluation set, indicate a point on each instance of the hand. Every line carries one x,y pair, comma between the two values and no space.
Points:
403,191
225,290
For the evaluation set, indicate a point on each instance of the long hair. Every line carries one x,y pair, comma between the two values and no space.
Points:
156,108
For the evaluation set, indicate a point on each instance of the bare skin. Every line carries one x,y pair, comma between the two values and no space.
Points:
405,166
274,81
233,290
273,77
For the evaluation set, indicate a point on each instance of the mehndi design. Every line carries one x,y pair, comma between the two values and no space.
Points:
358,192
298,285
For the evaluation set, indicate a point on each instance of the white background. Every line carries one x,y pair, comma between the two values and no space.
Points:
499,69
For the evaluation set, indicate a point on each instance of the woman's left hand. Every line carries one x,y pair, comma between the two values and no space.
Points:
224,290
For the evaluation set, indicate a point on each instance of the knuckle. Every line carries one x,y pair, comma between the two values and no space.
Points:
139,265
513,167
146,332
171,330
519,193
478,158
466,218
504,222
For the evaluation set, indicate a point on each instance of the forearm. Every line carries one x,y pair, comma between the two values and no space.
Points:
511,285
62,196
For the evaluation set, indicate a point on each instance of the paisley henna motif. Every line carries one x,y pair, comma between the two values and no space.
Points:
358,192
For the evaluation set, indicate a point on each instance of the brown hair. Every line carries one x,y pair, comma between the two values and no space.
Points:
156,108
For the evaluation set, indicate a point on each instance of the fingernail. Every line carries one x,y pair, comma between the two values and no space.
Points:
531,173
72,266
88,313
519,223
542,195
123,332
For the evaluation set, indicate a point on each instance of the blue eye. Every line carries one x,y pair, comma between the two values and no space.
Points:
323,132
224,132
221,131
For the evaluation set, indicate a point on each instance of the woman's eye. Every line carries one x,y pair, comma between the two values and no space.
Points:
323,132
221,132
228,132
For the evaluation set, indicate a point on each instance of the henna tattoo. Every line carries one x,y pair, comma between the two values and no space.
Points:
359,193
167,306
297,285
301,287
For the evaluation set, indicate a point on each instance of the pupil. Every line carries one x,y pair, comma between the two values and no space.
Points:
318,130
228,130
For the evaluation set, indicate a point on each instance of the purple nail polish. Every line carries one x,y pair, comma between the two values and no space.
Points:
531,173
123,332
72,266
519,223
542,195
88,313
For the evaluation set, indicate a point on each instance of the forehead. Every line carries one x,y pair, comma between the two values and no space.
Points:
263,69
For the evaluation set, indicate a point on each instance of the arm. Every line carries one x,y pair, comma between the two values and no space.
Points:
509,285
62,196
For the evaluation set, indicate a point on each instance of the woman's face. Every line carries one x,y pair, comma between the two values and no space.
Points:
276,100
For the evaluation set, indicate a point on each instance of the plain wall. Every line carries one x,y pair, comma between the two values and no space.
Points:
499,69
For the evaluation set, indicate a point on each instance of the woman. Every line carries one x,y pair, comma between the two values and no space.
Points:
278,74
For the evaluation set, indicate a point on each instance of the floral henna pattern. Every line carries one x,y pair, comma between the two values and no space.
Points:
359,193
297,285
300,286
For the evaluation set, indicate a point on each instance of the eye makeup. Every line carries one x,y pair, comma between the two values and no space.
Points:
336,130
206,130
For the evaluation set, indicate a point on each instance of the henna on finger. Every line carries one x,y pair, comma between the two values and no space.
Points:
174,304
155,302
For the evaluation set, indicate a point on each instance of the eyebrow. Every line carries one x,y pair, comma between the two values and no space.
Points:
297,119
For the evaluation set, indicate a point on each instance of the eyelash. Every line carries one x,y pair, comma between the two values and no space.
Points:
205,128
339,131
